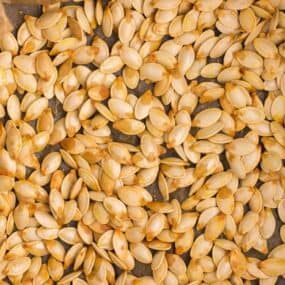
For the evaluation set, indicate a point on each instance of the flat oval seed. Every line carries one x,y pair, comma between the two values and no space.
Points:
152,71
51,162
18,266
159,119
248,20
44,66
131,57
215,227
48,19
249,59
25,63
251,115
134,196
74,100
272,266
129,126
25,81
46,220
265,47
206,117
36,109
241,146
211,70
111,65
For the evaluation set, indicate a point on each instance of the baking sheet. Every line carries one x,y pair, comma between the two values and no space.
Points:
16,14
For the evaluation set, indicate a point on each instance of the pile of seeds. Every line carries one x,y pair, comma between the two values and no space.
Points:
190,98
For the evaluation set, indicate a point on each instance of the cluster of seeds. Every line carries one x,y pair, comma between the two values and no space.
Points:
189,100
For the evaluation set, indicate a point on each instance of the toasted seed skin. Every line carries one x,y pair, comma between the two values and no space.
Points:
131,58
18,266
272,266
48,19
44,66
152,71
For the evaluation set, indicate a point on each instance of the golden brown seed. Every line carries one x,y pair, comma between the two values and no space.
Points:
152,71
131,57
129,126
36,109
48,19
134,196
51,162
25,81
265,47
206,118
272,266
44,66
18,266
